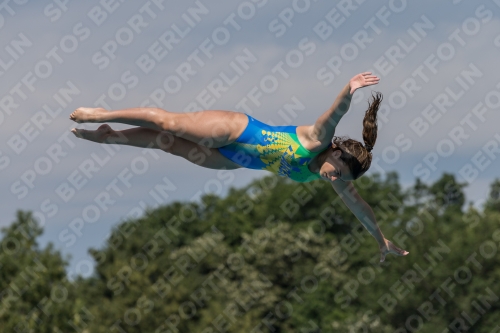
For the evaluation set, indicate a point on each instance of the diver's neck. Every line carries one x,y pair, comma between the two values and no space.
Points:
315,164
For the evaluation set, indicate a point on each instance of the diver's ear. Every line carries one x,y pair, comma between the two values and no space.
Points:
337,153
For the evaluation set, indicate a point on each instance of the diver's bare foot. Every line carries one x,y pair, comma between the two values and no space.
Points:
99,135
87,115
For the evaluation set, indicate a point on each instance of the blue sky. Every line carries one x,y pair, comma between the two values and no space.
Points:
437,76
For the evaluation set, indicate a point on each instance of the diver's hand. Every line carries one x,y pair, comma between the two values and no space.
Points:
362,80
387,247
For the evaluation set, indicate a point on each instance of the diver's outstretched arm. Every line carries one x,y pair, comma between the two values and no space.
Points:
324,128
365,215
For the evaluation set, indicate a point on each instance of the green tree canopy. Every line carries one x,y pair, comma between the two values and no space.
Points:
273,256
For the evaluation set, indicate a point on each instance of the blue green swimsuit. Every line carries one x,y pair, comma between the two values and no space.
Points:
273,148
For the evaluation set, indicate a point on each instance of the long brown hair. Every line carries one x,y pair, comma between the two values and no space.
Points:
357,156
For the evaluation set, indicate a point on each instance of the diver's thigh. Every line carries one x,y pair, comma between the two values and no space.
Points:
210,128
200,155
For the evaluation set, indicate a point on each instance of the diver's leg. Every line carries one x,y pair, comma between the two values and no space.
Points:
210,128
149,138
137,137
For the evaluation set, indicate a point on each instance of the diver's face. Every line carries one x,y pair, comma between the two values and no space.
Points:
334,168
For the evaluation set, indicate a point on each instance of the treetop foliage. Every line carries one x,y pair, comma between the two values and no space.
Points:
274,256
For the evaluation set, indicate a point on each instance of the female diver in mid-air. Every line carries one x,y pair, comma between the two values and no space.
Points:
233,140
